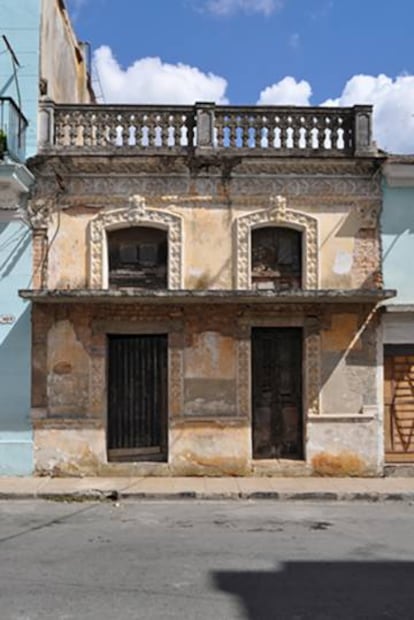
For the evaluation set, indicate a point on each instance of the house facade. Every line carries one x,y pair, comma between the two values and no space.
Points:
397,225
206,284
38,51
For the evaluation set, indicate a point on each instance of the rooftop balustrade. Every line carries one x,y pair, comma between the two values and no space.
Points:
13,127
206,127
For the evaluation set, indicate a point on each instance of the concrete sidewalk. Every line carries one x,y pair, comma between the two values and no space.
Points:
316,489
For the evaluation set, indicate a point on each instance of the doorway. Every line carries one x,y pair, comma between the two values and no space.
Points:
137,397
277,393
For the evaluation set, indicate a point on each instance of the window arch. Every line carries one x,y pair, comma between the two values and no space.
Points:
135,217
276,258
137,257
305,224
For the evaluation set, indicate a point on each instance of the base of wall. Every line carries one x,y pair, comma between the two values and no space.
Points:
400,470
216,448
337,446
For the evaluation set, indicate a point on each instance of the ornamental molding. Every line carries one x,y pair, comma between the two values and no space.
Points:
167,164
136,214
276,215
85,187
39,212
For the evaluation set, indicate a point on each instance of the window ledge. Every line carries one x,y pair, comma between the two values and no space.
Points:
145,296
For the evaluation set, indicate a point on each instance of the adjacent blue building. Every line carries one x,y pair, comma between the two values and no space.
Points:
19,77
397,225
33,33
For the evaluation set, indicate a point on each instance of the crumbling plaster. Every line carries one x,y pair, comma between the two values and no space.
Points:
330,203
202,206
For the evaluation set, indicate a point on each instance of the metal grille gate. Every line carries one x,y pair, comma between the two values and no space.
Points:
277,392
137,397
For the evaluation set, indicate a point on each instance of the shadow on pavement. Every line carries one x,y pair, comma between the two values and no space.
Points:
323,590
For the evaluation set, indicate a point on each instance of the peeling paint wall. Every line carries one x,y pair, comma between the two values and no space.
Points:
210,408
210,449
209,246
210,375
349,364
341,447
201,202
62,64
68,252
67,372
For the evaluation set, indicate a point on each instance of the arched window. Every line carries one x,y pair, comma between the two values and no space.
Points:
138,258
276,258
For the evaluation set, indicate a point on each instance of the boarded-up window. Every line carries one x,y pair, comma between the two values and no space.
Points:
276,260
138,258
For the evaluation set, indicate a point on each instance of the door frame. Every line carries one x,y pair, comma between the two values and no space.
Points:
172,330
151,453
299,330
311,360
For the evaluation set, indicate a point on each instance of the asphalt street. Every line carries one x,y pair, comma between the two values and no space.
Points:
206,560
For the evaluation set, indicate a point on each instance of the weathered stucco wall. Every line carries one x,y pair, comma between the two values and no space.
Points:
210,374
209,205
349,363
68,251
209,247
209,385
345,447
62,63
347,241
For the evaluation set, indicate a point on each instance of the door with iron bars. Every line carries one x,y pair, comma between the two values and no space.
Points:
399,403
277,393
137,397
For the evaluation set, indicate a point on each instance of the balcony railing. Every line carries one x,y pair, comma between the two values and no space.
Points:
280,131
13,127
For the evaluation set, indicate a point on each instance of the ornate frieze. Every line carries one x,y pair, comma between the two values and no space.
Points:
322,185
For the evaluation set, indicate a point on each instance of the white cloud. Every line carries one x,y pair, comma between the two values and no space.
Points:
392,98
229,7
149,80
393,101
286,92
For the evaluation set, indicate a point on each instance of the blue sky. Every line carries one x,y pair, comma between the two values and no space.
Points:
258,51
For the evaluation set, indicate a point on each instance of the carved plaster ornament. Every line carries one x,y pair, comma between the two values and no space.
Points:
285,217
38,212
138,203
278,205
130,216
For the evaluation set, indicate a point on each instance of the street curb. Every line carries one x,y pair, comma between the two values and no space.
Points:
114,495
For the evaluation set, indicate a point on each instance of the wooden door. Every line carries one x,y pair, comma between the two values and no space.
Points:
277,393
399,403
137,397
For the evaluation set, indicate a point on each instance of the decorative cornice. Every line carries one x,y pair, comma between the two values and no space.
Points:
170,164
